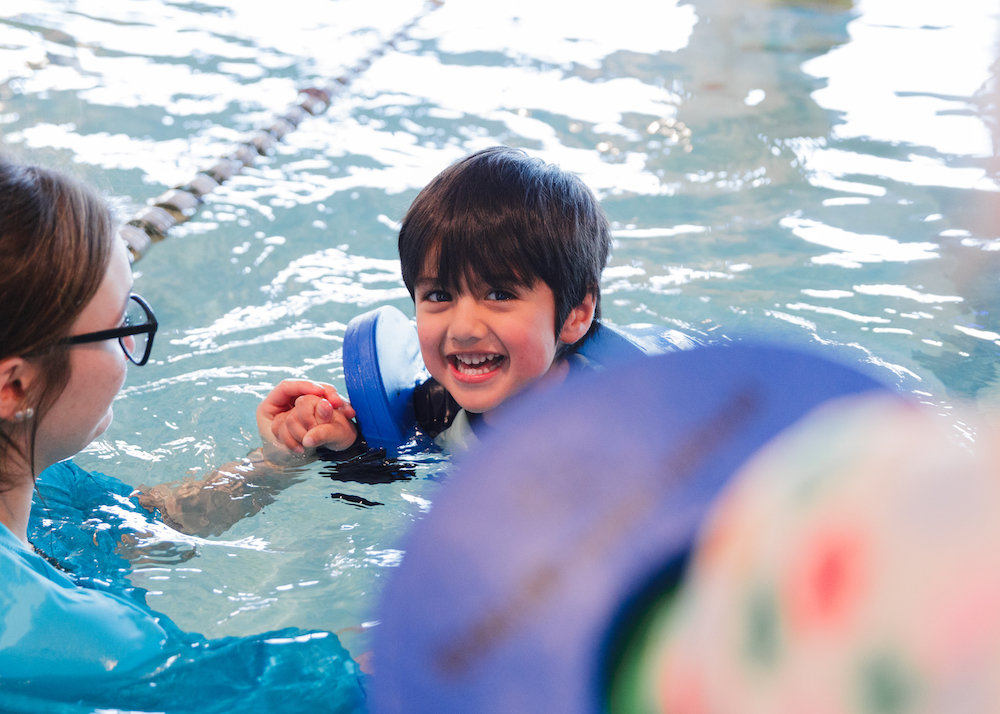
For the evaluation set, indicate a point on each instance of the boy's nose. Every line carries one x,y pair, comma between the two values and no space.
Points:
466,323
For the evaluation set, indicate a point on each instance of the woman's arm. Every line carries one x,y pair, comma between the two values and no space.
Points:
293,420
211,505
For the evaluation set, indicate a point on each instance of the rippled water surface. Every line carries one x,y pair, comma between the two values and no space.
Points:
814,173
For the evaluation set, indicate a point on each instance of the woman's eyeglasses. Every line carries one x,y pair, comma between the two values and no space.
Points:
135,336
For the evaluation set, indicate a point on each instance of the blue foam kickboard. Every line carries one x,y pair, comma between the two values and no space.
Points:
508,594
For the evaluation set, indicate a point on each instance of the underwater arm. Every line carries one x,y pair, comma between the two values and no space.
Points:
211,505
293,413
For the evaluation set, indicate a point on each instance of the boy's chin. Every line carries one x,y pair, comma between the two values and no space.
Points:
484,404
478,407
478,403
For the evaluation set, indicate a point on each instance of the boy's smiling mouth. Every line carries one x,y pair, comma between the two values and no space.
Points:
477,364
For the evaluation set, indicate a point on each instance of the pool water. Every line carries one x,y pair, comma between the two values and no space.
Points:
815,173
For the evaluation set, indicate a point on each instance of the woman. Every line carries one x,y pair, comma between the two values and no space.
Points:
69,325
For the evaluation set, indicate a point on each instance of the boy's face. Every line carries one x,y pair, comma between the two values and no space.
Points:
485,344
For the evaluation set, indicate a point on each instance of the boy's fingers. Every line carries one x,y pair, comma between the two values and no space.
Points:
276,426
288,432
309,411
326,407
296,429
333,435
285,439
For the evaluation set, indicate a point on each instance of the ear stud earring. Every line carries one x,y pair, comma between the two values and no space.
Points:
24,414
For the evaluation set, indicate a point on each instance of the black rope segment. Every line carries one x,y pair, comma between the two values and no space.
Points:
153,222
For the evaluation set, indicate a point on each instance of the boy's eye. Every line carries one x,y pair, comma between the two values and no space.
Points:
436,296
500,294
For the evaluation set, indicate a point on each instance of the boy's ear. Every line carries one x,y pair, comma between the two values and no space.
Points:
16,377
579,321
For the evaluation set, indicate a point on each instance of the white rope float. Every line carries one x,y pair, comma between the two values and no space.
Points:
152,223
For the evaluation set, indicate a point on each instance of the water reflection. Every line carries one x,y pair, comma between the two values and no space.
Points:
940,60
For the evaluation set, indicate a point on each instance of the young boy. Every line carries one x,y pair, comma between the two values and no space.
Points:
502,255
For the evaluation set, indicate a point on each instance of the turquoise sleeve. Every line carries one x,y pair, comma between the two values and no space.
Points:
78,519
51,627
68,649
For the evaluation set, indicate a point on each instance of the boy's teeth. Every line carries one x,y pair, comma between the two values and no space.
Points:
477,364
475,359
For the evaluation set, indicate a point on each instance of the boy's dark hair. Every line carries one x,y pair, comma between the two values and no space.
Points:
504,219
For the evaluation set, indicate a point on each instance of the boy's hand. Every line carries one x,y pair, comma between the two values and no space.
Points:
299,415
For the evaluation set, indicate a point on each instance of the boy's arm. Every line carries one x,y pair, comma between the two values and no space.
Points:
289,413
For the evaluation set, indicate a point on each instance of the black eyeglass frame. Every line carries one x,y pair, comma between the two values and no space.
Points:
122,332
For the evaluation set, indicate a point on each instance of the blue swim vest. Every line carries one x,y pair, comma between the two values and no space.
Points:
382,366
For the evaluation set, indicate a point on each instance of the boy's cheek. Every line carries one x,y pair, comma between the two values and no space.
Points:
427,337
437,368
433,361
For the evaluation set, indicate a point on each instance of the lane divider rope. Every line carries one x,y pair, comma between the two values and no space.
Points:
152,223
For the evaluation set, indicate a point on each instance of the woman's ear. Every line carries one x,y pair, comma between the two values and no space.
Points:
16,377
579,321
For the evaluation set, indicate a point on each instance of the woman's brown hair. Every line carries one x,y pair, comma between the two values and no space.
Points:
55,246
